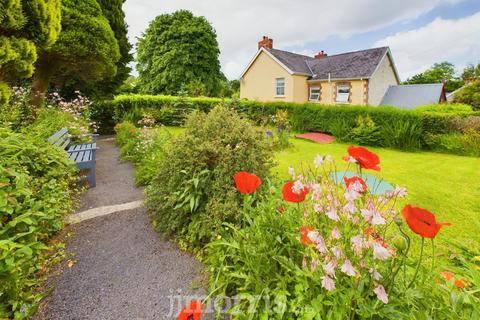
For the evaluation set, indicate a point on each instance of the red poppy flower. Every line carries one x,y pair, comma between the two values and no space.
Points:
460,284
281,209
193,312
304,232
422,222
353,180
291,196
366,158
247,182
447,275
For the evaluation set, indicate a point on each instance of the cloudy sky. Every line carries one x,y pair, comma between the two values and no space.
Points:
419,32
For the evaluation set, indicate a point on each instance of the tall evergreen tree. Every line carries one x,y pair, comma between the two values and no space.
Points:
86,47
179,51
26,28
112,10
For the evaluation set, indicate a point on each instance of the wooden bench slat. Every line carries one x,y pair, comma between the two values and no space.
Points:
57,135
87,156
82,154
65,143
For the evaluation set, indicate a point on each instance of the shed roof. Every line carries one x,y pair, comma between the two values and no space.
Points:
413,95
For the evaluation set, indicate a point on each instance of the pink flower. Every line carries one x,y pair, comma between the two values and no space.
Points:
381,294
328,283
358,243
374,274
348,269
330,268
400,192
291,172
332,214
318,160
337,252
314,265
380,253
352,195
335,234
318,240
350,207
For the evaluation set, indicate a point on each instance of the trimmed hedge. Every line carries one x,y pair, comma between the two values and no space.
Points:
403,129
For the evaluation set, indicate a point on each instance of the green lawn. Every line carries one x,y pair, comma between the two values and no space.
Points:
447,185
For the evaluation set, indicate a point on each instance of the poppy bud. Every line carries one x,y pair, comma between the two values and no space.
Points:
400,243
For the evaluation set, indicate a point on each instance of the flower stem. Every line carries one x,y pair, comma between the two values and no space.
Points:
418,264
433,256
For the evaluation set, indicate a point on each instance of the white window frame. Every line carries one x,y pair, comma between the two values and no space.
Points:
310,93
279,87
343,97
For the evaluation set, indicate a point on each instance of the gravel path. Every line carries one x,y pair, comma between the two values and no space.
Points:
122,269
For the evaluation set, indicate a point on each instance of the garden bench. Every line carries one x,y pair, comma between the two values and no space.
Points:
83,154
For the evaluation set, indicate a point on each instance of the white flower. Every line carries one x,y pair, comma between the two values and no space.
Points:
330,268
332,214
318,240
377,219
348,269
328,283
375,274
317,207
291,172
335,234
318,160
381,294
380,253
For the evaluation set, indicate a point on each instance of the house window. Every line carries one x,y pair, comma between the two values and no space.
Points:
314,94
343,93
280,87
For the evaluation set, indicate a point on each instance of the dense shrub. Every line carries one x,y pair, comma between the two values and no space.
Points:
144,147
446,108
466,143
193,192
35,194
402,129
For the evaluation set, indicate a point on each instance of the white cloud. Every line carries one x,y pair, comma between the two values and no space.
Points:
456,41
240,24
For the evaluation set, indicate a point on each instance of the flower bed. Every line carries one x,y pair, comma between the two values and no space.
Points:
315,247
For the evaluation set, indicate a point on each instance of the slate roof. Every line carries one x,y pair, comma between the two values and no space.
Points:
413,95
350,65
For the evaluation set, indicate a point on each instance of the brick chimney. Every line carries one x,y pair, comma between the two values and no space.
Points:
320,55
266,42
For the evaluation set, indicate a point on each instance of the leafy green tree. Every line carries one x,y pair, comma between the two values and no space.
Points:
177,51
439,72
471,72
469,94
112,10
86,47
26,27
